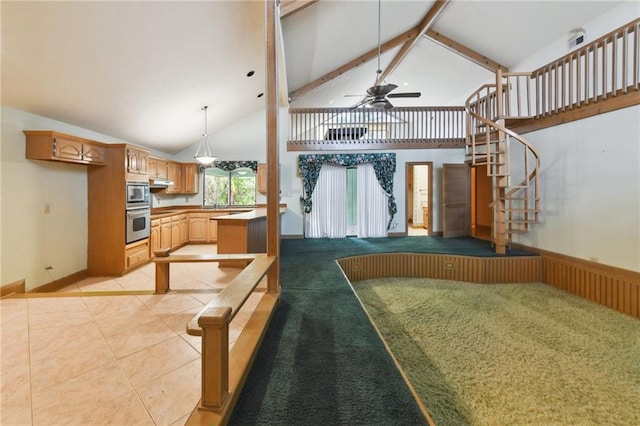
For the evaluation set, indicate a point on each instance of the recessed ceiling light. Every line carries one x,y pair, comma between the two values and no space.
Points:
405,84
260,95
250,73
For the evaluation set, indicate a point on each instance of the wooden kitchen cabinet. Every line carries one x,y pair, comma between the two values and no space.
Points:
198,223
137,163
54,146
157,168
165,233
212,228
175,232
174,174
184,229
137,253
190,178
261,178
154,237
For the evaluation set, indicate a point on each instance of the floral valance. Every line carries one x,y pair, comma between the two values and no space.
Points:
384,166
229,166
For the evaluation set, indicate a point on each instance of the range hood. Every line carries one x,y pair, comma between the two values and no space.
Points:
159,183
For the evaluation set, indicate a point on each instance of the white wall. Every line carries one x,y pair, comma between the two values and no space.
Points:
30,238
590,189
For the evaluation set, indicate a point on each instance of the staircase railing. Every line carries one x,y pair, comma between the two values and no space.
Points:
489,142
605,72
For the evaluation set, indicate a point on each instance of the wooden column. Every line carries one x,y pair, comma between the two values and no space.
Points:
272,22
215,358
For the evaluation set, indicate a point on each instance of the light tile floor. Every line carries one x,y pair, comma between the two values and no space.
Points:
81,359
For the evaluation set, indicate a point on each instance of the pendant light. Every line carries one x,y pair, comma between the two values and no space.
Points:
204,155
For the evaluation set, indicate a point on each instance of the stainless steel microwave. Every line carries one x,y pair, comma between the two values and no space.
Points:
137,195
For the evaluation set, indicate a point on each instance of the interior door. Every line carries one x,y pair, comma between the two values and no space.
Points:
456,200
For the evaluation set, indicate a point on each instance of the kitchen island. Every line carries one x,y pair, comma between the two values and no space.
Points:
235,231
244,232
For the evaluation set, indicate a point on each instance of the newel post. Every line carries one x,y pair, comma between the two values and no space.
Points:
214,323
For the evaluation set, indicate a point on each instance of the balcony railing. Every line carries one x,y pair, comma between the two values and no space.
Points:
322,129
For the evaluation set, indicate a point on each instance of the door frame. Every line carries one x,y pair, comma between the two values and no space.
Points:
408,166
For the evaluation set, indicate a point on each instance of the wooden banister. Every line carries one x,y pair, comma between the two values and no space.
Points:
212,322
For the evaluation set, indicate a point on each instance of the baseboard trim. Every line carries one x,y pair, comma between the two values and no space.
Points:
292,237
17,287
61,283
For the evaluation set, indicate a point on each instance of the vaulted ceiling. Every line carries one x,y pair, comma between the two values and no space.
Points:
141,71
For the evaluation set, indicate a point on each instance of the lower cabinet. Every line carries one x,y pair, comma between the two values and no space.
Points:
175,232
137,253
165,233
154,237
184,229
203,227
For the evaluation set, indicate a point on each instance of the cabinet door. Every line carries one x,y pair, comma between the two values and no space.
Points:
184,230
174,174
198,223
161,169
262,178
94,154
153,167
175,233
165,233
212,229
190,179
137,161
156,243
67,149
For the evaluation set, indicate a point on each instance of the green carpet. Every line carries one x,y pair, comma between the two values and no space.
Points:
321,361
508,354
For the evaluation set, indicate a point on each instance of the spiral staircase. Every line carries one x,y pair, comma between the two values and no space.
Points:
511,162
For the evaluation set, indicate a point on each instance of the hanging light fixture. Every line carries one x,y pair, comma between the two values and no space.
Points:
204,155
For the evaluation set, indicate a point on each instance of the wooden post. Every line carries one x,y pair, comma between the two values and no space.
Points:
215,358
162,272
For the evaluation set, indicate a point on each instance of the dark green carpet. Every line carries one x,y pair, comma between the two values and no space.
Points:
321,361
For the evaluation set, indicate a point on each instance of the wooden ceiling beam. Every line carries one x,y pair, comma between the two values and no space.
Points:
289,7
423,26
373,53
464,51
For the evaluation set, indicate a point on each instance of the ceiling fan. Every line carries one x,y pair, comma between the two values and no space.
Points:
378,95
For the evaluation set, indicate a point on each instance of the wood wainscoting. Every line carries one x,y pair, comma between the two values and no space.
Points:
521,269
615,288
612,287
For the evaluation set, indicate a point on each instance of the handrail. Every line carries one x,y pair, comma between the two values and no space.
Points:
235,293
606,68
212,323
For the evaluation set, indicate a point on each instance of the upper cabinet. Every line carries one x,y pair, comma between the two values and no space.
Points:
157,168
54,146
262,178
190,178
137,164
174,174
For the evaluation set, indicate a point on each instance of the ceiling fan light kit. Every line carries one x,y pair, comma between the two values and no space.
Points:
204,154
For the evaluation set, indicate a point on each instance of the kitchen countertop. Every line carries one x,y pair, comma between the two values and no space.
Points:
225,214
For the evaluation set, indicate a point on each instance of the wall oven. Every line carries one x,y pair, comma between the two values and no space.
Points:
137,195
138,224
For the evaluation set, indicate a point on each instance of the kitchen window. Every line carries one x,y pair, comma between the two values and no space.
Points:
223,188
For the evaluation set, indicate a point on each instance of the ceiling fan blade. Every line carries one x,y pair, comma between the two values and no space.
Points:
362,102
405,95
354,96
379,91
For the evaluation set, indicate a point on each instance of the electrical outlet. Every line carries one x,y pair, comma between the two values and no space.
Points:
449,265
47,208
356,266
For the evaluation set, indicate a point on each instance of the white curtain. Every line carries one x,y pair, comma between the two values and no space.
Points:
328,216
373,210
